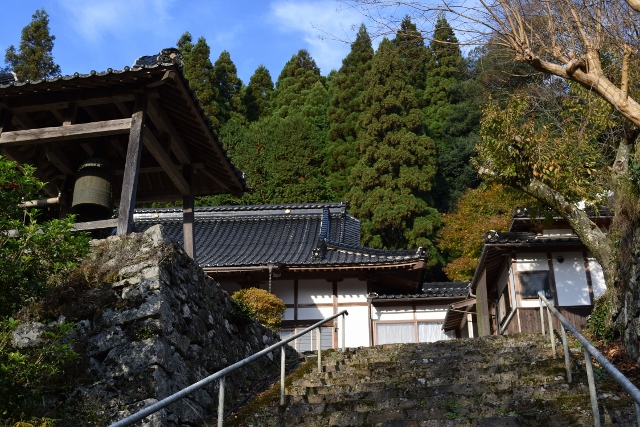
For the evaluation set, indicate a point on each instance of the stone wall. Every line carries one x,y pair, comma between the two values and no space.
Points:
151,323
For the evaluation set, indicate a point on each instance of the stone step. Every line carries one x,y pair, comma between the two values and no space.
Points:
502,382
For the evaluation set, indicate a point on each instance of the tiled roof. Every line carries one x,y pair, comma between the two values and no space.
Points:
292,235
6,78
430,290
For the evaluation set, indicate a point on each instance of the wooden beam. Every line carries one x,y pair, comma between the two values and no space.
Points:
59,160
154,146
70,114
95,225
67,133
58,115
126,112
188,217
25,121
164,124
33,104
132,167
156,169
92,113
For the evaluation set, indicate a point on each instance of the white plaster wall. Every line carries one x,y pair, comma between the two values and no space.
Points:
597,276
283,289
558,232
352,290
289,314
357,328
530,262
392,313
571,279
433,313
316,313
315,292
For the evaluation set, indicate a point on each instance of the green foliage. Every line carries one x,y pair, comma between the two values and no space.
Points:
230,89
258,94
33,60
571,154
26,374
41,253
262,305
198,69
600,323
344,112
476,212
394,174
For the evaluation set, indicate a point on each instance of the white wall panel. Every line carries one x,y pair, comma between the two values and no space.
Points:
571,280
357,330
530,262
352,290
315,292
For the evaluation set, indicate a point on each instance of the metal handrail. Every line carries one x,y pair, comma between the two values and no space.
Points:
229,369
589,351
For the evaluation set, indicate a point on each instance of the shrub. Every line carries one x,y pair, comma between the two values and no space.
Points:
262,305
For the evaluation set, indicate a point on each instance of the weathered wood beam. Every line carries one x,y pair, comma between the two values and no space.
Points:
59,160
132,166
124,110
14,154
67,133
164,124
35,103
154,146
95,225
59,117
155,169
188,217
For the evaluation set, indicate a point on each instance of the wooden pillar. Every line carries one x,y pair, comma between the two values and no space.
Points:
482,306
188,217
132,167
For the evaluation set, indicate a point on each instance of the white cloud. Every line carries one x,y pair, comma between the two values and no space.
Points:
323,25
97,21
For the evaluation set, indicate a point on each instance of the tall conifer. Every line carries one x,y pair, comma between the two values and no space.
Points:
229,89
198,69
413,53
395,171
297,79
258,94
344,112
34,60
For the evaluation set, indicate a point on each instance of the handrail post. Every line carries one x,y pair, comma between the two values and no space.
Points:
592,388
282,372
567,361
541,316
221,402
344,334
319,350
637,412
551,337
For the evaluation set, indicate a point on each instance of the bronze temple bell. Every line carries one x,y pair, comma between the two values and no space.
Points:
92,199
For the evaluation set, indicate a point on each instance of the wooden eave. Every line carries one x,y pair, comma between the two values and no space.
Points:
57,125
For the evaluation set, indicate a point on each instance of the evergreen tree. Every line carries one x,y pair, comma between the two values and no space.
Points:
394,174
230,88
34,60
444,70
198,69
413,53
344,112
258,94
299,75
452,116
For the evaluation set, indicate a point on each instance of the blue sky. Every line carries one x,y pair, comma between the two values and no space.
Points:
96,35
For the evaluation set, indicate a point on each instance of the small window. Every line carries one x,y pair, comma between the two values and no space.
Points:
534,282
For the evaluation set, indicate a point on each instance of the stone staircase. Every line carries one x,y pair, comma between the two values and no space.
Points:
491,381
